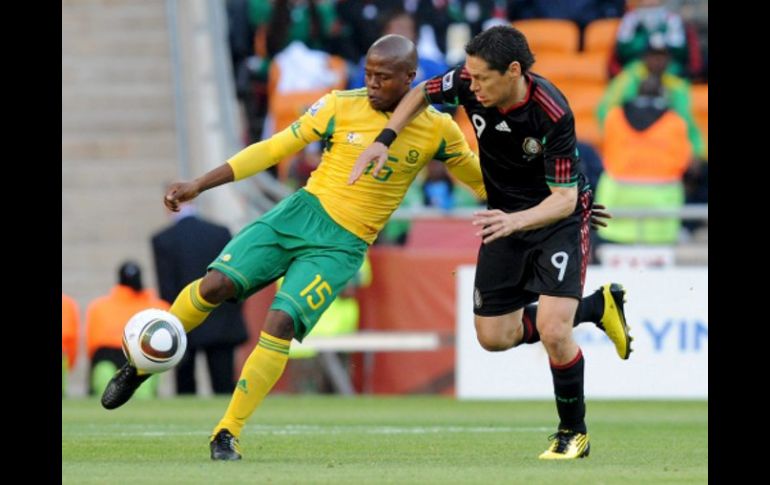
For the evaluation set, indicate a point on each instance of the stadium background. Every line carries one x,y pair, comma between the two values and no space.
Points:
128,92
149,96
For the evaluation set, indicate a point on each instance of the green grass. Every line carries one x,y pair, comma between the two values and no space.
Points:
382,440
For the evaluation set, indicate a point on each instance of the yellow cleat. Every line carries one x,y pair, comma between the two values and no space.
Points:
614,319
567,445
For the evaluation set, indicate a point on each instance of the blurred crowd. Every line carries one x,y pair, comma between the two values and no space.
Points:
634,72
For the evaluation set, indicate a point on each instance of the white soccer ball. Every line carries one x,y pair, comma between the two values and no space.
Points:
154,341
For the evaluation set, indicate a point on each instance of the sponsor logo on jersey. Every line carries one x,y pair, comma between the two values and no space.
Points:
503,126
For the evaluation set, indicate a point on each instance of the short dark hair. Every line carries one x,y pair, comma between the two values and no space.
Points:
500,46
130,274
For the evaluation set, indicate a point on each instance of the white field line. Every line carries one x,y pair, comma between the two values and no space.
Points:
291,429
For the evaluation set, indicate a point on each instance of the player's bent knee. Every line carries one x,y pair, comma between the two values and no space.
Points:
216,287
279,324
554,335
493,341
496,334
493,346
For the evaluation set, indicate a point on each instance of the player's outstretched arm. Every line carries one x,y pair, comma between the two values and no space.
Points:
410,106
179,192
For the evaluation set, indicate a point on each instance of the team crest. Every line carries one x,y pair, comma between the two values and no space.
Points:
316,106
531,148
476,298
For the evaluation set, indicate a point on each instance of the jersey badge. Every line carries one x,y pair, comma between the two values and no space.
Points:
531,148
477,301
447,81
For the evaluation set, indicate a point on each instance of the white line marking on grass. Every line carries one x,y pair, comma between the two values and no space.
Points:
356,429
303,429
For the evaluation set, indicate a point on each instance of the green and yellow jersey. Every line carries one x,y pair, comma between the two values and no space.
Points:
348,124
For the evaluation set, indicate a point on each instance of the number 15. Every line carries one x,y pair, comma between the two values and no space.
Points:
320,286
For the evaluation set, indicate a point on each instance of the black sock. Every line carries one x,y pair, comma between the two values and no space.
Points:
568,388
590,308
528,318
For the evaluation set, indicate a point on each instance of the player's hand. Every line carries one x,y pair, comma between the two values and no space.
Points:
376,153
496,224
180,192
598,215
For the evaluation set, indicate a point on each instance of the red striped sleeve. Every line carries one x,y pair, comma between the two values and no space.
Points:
550,107
433,86
563,170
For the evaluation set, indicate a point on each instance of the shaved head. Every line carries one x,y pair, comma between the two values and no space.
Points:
397,49
391,65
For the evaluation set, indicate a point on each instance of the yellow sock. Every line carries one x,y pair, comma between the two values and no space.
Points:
260,373
190,307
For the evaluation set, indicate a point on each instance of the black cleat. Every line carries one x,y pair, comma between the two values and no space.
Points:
224,446
122,386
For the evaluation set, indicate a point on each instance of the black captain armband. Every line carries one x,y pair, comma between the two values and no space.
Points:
386,137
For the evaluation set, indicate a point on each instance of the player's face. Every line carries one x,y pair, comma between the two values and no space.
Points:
491,87
387,82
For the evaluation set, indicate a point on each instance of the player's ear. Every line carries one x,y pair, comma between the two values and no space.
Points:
514,68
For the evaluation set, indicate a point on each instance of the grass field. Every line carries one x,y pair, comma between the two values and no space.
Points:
382,440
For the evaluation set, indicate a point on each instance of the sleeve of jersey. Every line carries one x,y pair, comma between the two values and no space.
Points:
460,159
560,153
445,89
315,124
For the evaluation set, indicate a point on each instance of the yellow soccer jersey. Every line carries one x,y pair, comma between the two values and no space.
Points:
348,124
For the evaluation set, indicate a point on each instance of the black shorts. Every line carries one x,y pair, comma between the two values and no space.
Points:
512,272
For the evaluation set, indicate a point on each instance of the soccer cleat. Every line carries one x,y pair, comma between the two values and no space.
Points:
224,446
567,445
122,386
613,320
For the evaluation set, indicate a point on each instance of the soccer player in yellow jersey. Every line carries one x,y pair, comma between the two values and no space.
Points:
317,237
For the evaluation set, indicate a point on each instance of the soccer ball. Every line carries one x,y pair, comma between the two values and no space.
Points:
154,341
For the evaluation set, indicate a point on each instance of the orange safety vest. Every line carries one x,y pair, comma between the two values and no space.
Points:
661,153
70,327
107,315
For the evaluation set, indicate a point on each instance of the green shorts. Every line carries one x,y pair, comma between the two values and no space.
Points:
296,239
